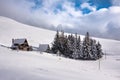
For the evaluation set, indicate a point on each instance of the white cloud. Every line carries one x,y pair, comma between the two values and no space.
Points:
115,9
116,2
69,7
87,5
98,23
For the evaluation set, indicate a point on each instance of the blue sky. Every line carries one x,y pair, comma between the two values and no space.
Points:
99,17
77,3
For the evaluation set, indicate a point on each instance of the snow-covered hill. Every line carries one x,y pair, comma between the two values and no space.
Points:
19,65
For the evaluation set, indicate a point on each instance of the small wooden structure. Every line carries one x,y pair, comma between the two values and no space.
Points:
20,44
43,47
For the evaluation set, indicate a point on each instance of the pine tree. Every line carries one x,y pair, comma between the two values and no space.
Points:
75,54
91,50
99,50
63,44
87,53
87,37
70,44
56,43
61,40
94,50
79,47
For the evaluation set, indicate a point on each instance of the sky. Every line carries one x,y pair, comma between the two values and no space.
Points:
101,18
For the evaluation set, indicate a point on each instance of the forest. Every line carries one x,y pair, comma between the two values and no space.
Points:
71,46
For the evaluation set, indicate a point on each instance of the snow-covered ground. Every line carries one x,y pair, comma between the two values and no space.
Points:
20,65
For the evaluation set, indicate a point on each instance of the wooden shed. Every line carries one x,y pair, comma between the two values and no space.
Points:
20,44
43,47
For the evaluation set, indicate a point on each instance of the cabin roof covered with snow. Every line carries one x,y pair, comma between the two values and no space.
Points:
19,41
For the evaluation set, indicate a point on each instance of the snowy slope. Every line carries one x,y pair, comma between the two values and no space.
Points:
11,29
19,65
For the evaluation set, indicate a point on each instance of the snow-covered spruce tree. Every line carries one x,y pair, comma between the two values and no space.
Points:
86,47
79,47
60,44
56,43
74,55
63,44
99,50
71,44
76,47
91,50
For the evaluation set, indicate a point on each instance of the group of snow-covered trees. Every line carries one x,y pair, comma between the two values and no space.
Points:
72,47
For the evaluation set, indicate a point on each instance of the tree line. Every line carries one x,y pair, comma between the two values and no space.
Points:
71,46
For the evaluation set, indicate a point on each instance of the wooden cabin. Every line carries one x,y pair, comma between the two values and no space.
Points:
20,44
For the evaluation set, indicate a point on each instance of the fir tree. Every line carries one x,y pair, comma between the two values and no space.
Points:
75,47
86,47
56,43
71,44
99,50
79,48
63,43
94,50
